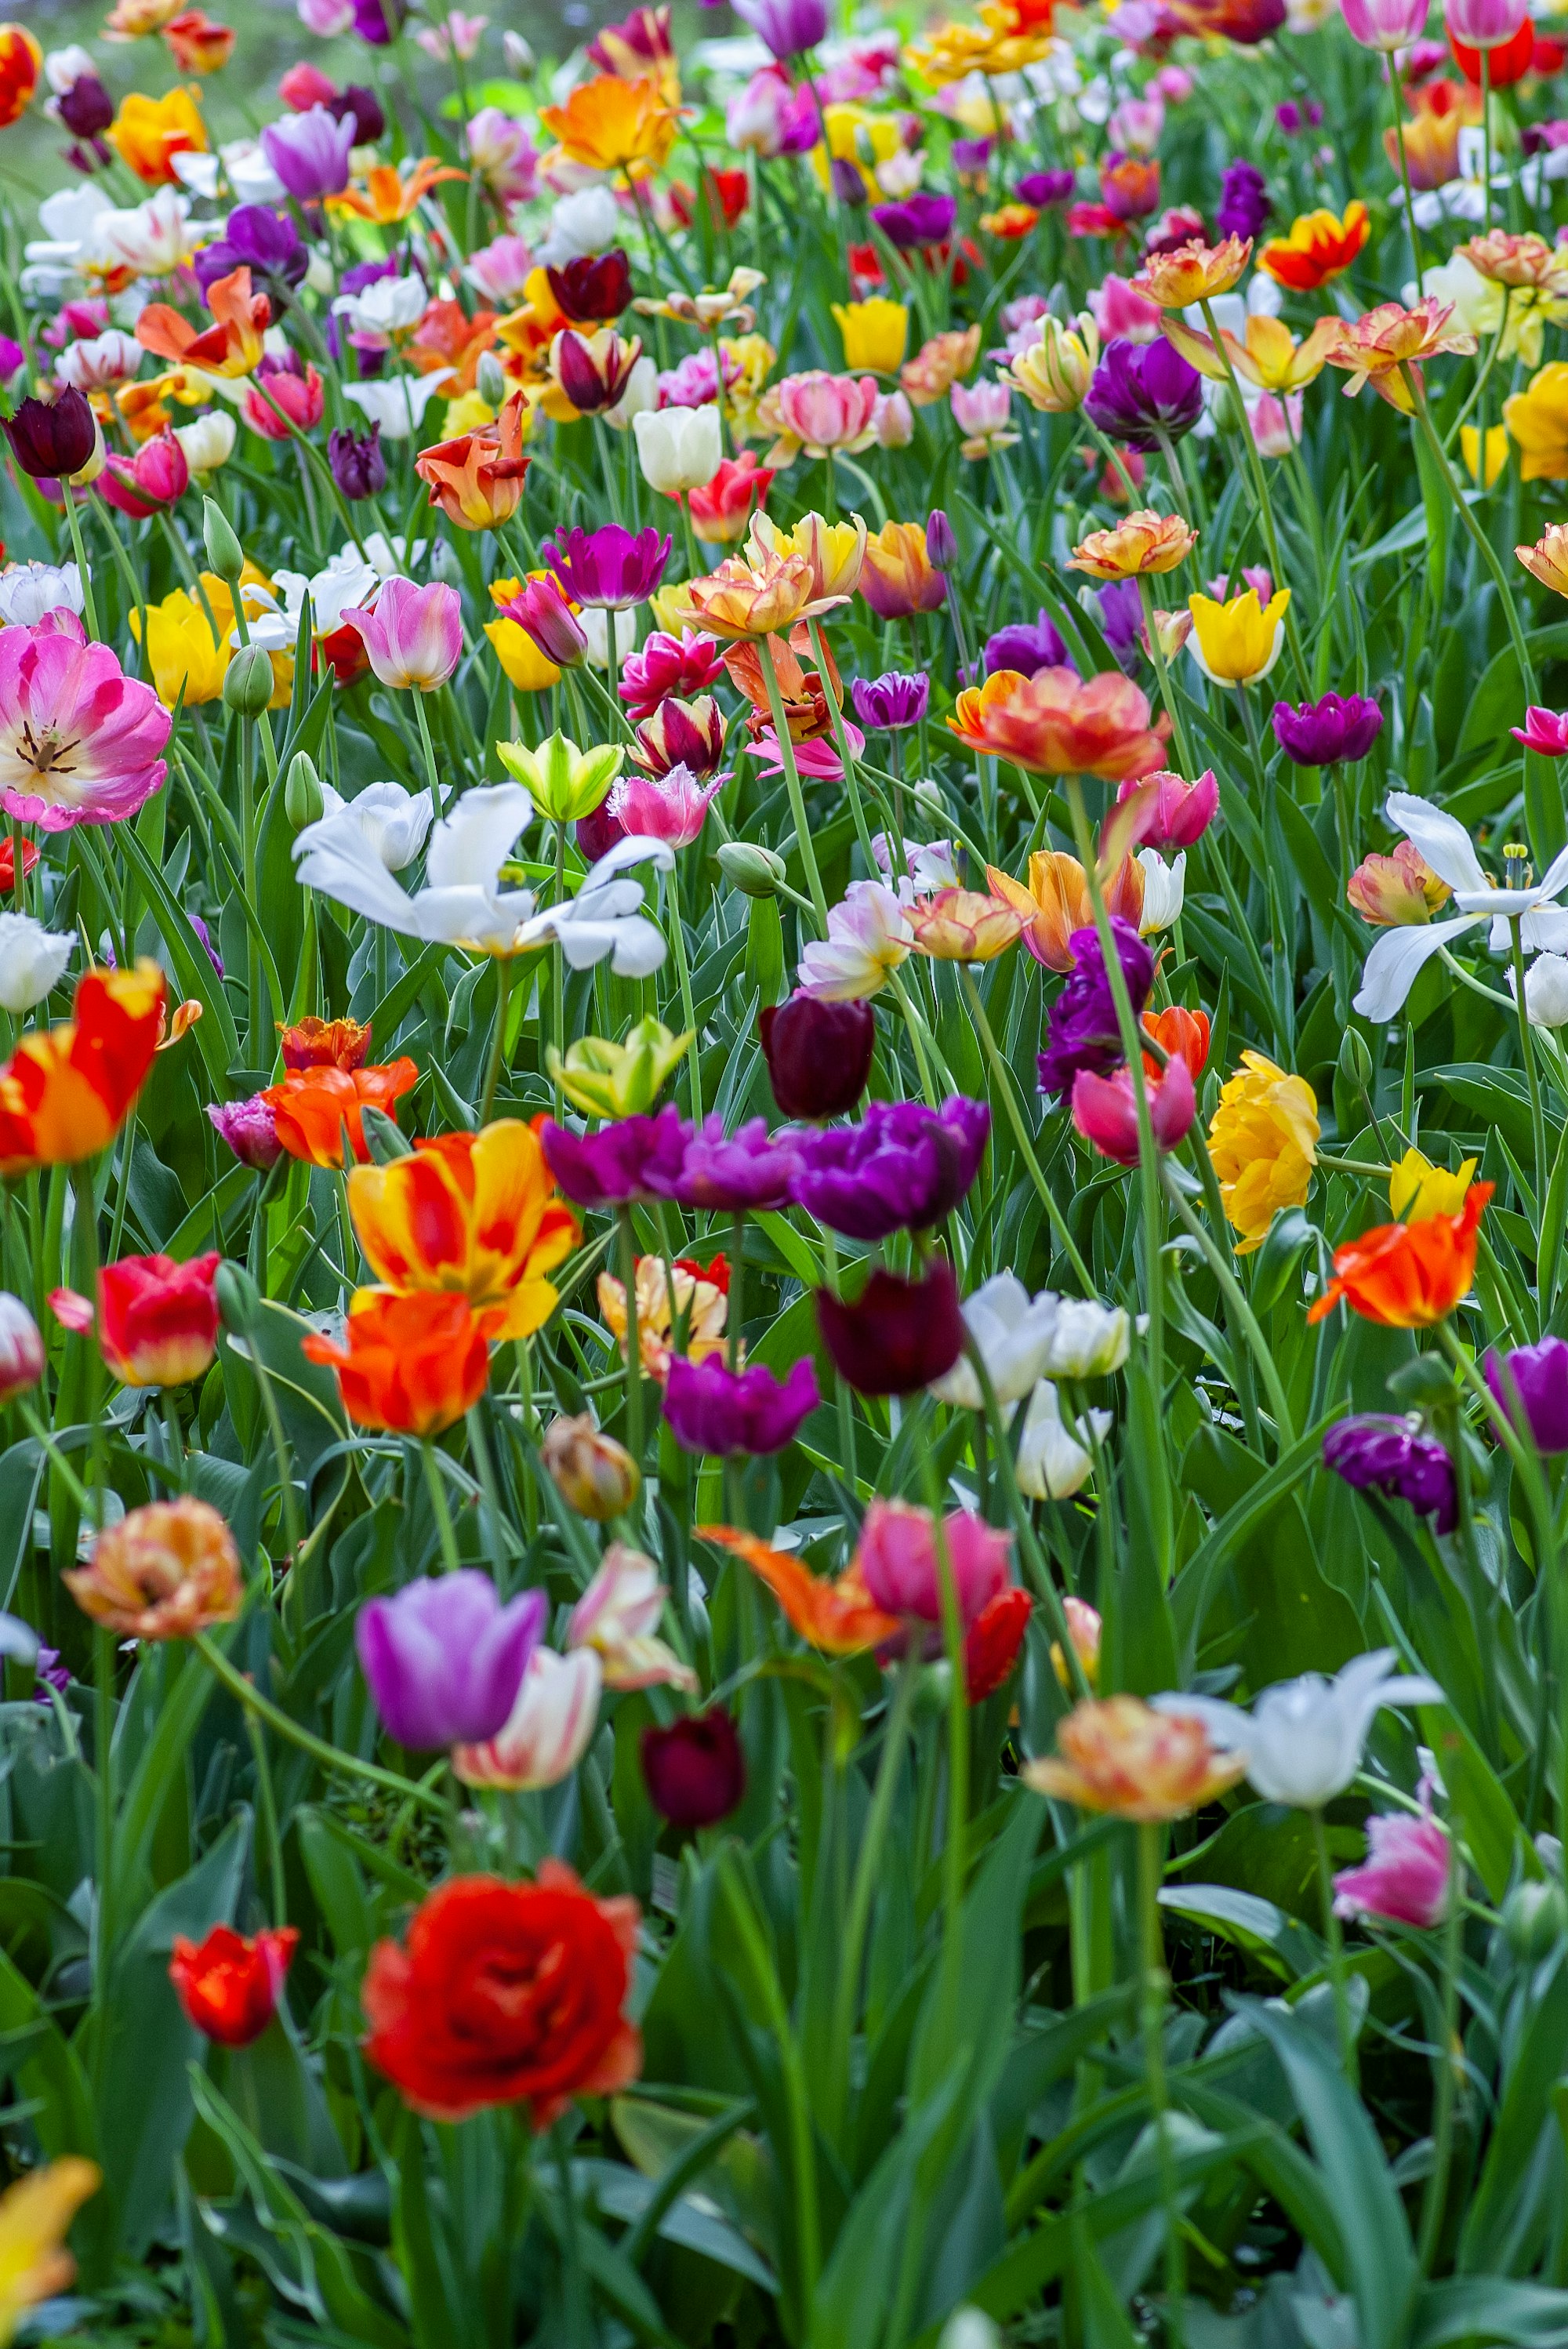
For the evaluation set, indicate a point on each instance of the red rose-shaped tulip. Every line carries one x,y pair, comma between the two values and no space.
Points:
158,1320
230,1986
506,1992
695,1770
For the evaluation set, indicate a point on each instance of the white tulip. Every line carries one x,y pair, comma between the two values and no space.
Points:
1052,1463
1399,955
96,361
342,584
395,823
62,68
587,221
152,238
28,590
678,449
209,442
641,396
199,173
250,176
1304,1738
1164,886
388,305
31,960
546,1733
1089,1340
397,402
1012,1333
1545,989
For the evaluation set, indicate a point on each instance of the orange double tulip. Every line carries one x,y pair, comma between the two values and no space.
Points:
477,479
313,1106
409,1365
1407,1275
65,1092
1054,723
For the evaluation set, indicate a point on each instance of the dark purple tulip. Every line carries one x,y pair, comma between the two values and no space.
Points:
358,466
593,285
1120,621
634,1158
744,1173
1083,1032
925,218
1026,645
261,240
903,1168
695,1770
941,545
444,1659
886,704
1044,189
1535,1379
377,21
1376,1452
897,1335
1140,389
362,104
819,1055
53,439
1321,733
1243,201
847,186
86,108
608,567
711,1409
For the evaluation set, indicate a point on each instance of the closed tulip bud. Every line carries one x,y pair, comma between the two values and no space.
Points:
224,552
518,55
756,872
605,1080
21,1349
1534,1919
490,380
941,546
595,1476
239,1299
248,682
302,799
384,1138
1356,1058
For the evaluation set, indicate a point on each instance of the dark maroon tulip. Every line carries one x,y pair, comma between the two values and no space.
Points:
897,1335
695,1770
369,121
86,108
818,1054
711,1409
593,285
53,439
358,462
597,833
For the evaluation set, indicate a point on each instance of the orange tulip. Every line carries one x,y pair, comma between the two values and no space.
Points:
897,576
166,1571
1431,146
198,45
609,125
409,1365
1383,343
149,133
477,479
231,346
474,1213
65,1092
836,1615
313,1043
387,196
1054,723
1407,1275
964,926
20,61
312,1106
1145,543
1056,901
1181,1035
1318,248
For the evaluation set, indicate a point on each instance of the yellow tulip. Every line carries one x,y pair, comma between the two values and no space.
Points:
1237,643
875,332
1496,449
1418,1190
184,652
35,2214
1537,419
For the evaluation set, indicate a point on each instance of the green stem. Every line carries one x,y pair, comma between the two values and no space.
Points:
1334,1933
1002,1077
628,1249
438,1491
1260,491
868,1870
1151,1868
329,1756
498,1040
792,782
1527,1053
431,777
1236,1303
73,523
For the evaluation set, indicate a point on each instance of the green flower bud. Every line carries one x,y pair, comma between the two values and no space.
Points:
302,800
1356,1058
224,552
605,1080
249,682
1534,1919
756,872
565,783
239,1299
490,381
382,1138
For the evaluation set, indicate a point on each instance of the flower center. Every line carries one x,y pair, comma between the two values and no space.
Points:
46,752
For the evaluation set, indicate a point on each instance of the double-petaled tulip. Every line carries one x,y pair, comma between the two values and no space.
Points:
409,1365
759,595
227,1984
609,124
1387,347
1192,272
1054,374
168,1571
474,1215
315,1107
728,1412
67,1090
477,479
1264,1142
964,925
1398,891
1054,724
158,1320
1144,542
1118,1755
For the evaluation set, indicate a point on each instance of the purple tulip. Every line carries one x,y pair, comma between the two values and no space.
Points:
377,22
358,465
1121,622
1376,1452
747,1172
1083,1032
1045,188
1142,389
86,108
941,543
548,623
261,240
205,935
924,218
1534,1379
903,1168
847,184
711,1409
444,1659
1243,201
309,154
607,567
1026,645
12,357
250,1130
634,1158
787,27
1321,733
356,104
695,1771
887,704
971,154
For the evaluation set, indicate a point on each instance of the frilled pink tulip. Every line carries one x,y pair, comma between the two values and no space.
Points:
897,1559
79,740
1483,23
414,637
1174,814
669,807
824,411
1105,1110
1544,730
155,477
1407,1875
1386,25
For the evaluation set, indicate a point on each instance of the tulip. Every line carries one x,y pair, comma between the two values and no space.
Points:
1408,1875
721,508
65,1092
1407,1275
869,936
730,1413
547,1732
158,1320
409,1365
1262,1139
822,412
1302,1742
313,1043
58,441
617,1617
1011,1333
964,925
1194,272
1172,813
1084,1028
414,636
1483,23
1386,25
1144,543
1530,1384
608,123
682,665
1237,643
892,702
818,1053
444,1659
670,807
477,479
209,443
1054,374
1397,891
309,154
925,218
1052,1465
1105,1110
1546,991
903,1555
313,1107
679,734
607,568
358,464
678,449
897,576
564,782
695,1771
1375,1452
589,372
875,335
1052,723
618,1081
475,1214
22,1355
228,1986
1141,392
157,476
1117,1754
982,412
899,1335
904,1167
596,286
168,1571
250,1130
1543,731
1321,733
32,958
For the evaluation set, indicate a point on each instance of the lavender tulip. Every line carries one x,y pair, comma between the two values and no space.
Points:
712,1409
1084,1032
1376,1452
1321,733
1121,622
1531,1386
903,1168
444,1659
787,27
1027,646
309,154
250,1130
742,1175
1140,390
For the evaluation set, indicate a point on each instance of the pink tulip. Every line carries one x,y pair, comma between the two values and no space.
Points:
1276,423
1118,312
1406,1875
1386,25
824,411
280,400
1544,730
670,807
1105,1110
1483,23
414,637
981,409
304,85
1175,814
155,476
79,740
897,1562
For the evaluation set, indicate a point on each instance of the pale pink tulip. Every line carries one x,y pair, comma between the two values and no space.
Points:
1483,23
79,740
547,1732
414,637
616,1617
1386,25
824,412
1118,311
